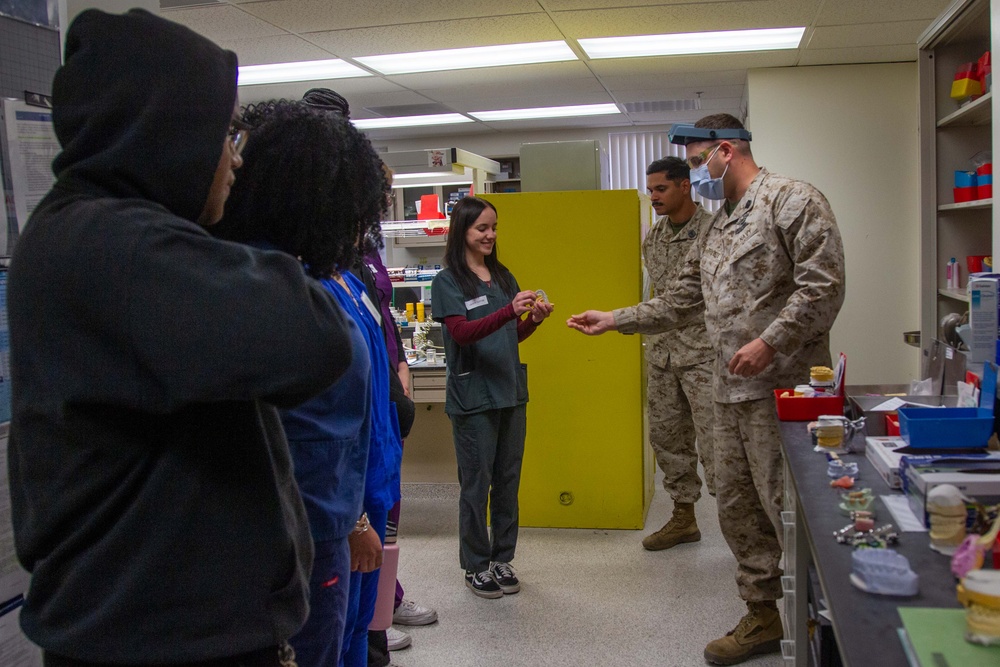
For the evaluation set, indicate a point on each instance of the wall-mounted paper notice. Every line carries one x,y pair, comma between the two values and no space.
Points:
31,146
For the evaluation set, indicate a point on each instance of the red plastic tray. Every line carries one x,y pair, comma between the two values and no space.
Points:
800,409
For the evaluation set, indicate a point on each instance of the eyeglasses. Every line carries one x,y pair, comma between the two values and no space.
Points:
239,132
696,161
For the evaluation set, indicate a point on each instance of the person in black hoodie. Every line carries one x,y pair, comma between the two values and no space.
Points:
151,485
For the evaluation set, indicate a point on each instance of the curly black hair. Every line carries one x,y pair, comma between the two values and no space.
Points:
311,185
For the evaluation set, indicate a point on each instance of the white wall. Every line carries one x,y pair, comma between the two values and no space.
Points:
851,130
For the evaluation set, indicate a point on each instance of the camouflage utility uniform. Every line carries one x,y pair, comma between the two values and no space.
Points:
772,269
679,371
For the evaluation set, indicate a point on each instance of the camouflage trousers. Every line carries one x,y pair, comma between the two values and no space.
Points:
750,477
681,412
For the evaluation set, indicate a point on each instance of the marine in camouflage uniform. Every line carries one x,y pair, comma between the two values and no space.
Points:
679,372
768,270
678,363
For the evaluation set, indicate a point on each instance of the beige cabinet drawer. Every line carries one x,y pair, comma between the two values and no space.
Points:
434,380
428,395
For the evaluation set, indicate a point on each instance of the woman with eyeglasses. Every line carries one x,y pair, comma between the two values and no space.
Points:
313,188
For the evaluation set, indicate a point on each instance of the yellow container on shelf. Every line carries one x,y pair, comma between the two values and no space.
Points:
962,88
420,311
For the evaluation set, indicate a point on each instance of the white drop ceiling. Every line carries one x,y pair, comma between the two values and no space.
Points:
272,31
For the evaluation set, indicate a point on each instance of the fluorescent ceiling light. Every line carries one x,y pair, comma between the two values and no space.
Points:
687,43
478,56
422,174
460,181
309,70
547,112
411,121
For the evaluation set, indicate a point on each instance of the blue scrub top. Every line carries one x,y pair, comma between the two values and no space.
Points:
385,450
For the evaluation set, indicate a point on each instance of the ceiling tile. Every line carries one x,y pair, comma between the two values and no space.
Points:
274,49
868,54
532,94
447,131
848,12
647,20
871,34
353,89
438,35
685,93
668,65
570,5
320,15
629,81
511,76
222,23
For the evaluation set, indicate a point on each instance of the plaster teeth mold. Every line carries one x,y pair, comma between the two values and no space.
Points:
979,593
883,572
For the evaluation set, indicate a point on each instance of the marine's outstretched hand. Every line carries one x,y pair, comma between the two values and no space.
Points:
593,322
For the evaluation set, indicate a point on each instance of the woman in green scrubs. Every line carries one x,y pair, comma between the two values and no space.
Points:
480,305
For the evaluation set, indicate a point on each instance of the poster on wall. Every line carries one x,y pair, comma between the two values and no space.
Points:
13,578
29,146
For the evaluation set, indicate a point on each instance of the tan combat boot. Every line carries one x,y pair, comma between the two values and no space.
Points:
682,527
758,632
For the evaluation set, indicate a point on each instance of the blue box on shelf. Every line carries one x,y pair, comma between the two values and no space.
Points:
944,428
965,179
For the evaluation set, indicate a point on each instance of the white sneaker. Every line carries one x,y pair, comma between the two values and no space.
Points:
397,639
410,613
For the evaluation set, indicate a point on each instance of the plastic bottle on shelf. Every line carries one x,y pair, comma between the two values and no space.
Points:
951,274
420,311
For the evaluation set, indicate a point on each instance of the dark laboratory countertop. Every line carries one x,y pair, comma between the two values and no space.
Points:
864,624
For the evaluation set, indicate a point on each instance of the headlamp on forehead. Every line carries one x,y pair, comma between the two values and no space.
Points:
685,134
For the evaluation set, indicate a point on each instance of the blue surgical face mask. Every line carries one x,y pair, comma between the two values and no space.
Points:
704,184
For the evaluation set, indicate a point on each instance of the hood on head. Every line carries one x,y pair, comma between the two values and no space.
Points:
141,107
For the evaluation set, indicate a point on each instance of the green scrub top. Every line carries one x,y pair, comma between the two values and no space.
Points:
488,374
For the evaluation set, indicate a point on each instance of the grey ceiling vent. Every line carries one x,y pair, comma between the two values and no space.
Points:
183,4
663,106
410,110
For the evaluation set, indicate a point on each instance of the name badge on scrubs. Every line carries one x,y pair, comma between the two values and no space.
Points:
476,303
371,308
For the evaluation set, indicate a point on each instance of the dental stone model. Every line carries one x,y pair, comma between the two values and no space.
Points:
946,507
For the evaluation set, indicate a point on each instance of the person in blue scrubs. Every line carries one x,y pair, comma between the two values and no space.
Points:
314,188
481,306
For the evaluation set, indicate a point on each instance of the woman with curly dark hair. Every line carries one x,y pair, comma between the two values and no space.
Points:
312,186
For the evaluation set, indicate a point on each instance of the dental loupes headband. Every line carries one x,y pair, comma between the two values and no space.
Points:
684,134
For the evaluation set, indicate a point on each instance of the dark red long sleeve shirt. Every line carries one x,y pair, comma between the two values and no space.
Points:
466,332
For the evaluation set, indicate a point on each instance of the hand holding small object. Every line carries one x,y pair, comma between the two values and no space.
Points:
523,302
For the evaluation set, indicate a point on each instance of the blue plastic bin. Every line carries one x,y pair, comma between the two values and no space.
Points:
943,428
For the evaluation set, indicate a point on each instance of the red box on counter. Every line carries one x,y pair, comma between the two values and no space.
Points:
892,425
801,409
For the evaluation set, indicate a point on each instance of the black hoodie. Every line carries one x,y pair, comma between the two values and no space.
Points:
151,484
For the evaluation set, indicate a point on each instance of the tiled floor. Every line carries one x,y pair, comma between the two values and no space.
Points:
588,597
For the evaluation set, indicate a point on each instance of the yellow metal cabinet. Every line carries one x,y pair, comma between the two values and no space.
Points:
586,461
